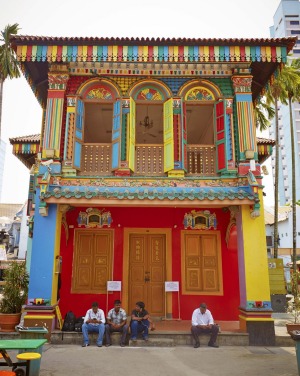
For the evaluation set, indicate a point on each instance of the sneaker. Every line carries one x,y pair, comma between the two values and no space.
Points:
213,345
196,345
85,345
133,339
108,344
122,344
146,339
100,345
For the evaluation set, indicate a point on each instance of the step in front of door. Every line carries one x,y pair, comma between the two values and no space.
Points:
153,342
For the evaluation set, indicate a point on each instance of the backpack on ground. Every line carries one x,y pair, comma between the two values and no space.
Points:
69,322
78,324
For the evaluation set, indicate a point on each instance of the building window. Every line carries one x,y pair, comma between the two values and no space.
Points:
201,263
294,22
295,32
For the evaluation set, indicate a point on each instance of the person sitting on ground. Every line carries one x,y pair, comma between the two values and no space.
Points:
116,322
139,321
93,322
203,322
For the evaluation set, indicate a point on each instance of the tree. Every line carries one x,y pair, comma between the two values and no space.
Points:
292,86
275,94
263,113
9,67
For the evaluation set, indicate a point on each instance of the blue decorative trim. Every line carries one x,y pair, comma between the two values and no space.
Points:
151,193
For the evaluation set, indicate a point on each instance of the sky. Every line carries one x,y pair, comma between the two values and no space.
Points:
21,113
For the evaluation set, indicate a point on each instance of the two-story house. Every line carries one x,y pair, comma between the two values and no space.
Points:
148,172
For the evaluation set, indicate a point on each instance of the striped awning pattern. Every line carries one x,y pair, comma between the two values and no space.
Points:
158,53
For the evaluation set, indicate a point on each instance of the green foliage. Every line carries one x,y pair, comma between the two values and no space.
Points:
15,290
294,304
9,66
263,113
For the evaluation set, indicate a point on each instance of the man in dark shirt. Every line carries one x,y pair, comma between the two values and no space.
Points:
139,321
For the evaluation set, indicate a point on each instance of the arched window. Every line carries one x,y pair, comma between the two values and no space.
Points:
98,101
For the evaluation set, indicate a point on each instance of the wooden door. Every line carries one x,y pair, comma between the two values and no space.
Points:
147,254
92,261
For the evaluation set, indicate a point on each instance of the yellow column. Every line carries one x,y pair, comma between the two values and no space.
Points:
255,304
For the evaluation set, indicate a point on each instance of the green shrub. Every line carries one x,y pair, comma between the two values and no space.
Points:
15,290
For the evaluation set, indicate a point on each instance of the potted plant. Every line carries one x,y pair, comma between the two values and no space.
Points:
293,306
14,295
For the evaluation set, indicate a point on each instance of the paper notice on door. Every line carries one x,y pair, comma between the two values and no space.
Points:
171,286
114,285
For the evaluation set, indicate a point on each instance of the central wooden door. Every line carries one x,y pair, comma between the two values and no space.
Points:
147,255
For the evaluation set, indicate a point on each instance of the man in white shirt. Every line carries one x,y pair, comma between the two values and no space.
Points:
93,322
203,322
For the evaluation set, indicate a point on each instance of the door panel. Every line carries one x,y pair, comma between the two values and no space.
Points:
201,264
147,272
92,262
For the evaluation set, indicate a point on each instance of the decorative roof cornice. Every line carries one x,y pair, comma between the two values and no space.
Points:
35,138
58,49
31,39
151,193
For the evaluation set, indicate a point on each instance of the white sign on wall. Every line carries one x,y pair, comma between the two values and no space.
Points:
171,286
3,255
114,286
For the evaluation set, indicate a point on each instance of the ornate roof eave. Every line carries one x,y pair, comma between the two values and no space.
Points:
146,203
36,53
25,148
146,196
31,40
264,148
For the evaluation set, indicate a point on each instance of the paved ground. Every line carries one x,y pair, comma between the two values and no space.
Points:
179,361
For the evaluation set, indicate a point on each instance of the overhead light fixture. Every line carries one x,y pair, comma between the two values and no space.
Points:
147,122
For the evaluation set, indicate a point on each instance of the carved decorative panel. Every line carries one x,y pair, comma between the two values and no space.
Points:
92,261
201,263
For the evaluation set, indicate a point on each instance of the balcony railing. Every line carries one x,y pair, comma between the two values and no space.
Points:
149,160
201,160
95,160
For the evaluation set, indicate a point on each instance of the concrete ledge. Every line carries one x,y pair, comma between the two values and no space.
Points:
284,341
157,338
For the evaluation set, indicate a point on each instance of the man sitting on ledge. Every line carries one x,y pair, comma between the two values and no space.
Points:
203,322
93,322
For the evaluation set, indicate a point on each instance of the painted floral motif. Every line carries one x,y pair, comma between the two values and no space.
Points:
149,94
99,93
199,94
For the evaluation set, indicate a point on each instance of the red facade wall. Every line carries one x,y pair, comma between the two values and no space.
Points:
223,307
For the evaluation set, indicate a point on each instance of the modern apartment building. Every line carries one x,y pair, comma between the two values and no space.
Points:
2,160
287,24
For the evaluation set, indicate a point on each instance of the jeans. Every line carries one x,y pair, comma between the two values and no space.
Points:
139,327
89,328
109,329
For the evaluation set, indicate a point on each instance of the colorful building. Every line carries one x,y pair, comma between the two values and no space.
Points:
148,171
